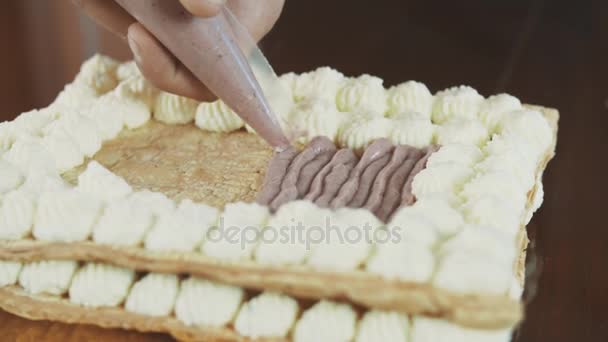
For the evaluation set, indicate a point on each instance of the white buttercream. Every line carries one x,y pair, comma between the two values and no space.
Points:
411,225
494,108
99,73
96,285
51,277
76,96
402,259
107,115
31,155
281,241
153,295
382,326
441,212
81,129
7,135
64,150
347,242
127,70
529,125
183,229
65,215
410,96
323,82
101,183
124,222
438,330
237,232
172,109
267,315
326,321
156,202
510,144
201,302
132,103
498,183
16,215
9,272
443,178
360,131
468,272
465,154
512,163
493,211
217,117
39,182
456,102
315,117
462,131
482,241
137,88
10,177
412,129
362,93
35,121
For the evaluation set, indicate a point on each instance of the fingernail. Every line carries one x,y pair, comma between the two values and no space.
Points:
135,48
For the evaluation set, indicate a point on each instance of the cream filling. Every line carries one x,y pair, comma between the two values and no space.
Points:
204,303
457,102
435,330
172,109
153,295
217,117
267,315
362,93
10,177
124,222
100,182
16,215
65,215
326,321
9,272
410,96
237,231
97,285
51,277
183,229
379,326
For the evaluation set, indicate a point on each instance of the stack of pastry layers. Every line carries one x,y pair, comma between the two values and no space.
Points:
83,239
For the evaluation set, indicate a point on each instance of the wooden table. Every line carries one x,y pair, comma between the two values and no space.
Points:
553,53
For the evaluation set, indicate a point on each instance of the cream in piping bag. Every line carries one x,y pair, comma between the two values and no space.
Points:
208,47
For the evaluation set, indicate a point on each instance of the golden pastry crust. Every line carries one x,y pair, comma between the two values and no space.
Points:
42,307
185,162
359,287
208,174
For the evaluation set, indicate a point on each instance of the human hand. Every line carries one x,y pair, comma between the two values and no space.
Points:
155,62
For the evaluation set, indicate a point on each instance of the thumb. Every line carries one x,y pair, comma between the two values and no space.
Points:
204,8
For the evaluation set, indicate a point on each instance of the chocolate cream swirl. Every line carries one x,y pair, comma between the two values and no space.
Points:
380,180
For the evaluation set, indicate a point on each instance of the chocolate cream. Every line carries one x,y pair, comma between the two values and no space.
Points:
380,180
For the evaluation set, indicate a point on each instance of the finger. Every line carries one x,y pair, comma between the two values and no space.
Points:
161,68
107,14
257,18
203,8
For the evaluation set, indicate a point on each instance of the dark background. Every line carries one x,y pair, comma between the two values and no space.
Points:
553,53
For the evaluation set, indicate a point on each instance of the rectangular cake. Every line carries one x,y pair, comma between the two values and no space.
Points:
398,215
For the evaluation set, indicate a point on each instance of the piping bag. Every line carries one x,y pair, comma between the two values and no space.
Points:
208,48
